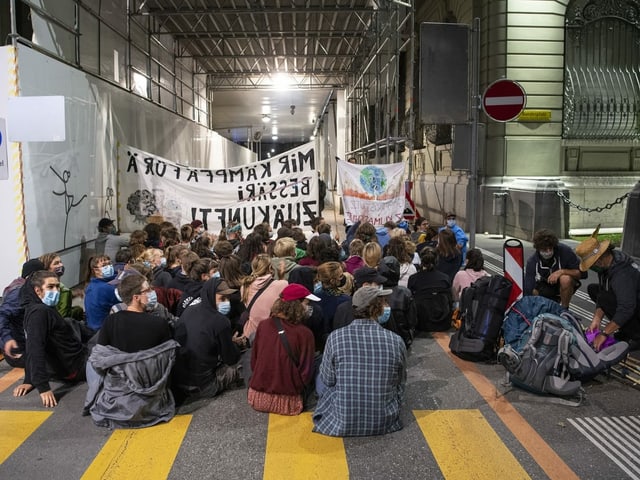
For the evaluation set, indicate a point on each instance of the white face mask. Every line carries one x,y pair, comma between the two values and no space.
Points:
546,254
451,223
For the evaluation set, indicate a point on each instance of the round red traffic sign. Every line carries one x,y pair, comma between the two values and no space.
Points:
504,100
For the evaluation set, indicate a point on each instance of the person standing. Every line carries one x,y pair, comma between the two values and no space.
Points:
363,373
461,237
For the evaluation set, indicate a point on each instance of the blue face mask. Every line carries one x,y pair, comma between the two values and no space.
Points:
317,287
163,262
451,223
152,300
216,275
51,297
224,307
107,271
384,318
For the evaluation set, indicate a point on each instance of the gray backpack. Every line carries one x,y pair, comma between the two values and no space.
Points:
557,358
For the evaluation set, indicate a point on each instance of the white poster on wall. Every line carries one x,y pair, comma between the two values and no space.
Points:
272,191
4,156
372,193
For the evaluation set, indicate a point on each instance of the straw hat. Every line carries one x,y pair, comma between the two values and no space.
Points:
590,250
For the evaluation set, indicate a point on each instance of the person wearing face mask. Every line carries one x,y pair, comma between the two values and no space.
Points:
53,263
206,364
99,295
12,339
363,373
461,237
553,270
283,355
617,293
109,240
135,328
128,369
52,344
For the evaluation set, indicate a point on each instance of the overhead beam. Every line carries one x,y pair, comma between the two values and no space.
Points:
169,12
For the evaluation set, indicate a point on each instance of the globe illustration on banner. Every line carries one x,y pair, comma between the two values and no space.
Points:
373,180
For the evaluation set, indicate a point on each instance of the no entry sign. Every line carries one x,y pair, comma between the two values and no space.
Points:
504,100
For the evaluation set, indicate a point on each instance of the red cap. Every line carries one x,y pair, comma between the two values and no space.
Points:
295,291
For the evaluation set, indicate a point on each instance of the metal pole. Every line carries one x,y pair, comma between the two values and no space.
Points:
14,27
472,208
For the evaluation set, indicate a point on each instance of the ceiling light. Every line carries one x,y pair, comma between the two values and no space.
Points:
274,137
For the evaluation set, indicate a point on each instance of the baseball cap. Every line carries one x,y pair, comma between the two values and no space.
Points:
105,222
364,296
295,291
368,275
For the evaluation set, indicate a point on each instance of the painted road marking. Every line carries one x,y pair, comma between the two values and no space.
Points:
617,437
11,377
542,453
140,453
294,451
17,425
467,431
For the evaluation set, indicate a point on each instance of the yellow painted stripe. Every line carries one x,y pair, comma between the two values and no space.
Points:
542,453
17,425
140,453
11,377
466,447
294,451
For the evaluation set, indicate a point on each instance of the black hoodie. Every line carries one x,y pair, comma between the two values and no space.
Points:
205,338
51,343
623,279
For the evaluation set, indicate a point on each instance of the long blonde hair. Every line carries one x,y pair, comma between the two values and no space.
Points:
260,266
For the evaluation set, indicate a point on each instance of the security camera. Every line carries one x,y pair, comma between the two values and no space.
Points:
293,109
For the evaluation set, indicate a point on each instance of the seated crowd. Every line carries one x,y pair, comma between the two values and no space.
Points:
174,316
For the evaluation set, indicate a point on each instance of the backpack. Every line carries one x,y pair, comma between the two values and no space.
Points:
434,311
482,305
520,317
556,357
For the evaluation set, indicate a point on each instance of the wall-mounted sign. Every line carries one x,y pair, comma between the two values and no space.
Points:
535,116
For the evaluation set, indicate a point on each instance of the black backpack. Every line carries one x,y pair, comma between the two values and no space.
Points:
482,305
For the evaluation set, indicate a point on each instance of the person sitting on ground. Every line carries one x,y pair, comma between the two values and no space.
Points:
53,263
403,307
181,280
154,259
617,293
186,234
282,355
201,271
153,235
372,254
473,270
331,277
207,359
122,259
262,282
397,247
431,291
99,295
137,243
234,235
108,239
354,261
53,344
449,256
12,341
284,257
460,236
553,270
362,375
128,370
253,245
315,223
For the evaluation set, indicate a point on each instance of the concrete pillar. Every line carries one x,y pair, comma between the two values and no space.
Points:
631,229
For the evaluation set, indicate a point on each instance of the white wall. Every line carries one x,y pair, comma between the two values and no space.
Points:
99,117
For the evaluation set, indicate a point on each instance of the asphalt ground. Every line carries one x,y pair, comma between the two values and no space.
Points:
460,421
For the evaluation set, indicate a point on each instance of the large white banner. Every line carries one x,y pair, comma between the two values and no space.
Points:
271,191
372,193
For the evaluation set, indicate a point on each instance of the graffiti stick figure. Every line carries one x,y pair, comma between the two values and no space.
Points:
68,199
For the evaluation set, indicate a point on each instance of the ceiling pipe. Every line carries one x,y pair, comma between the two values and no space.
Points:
320,117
